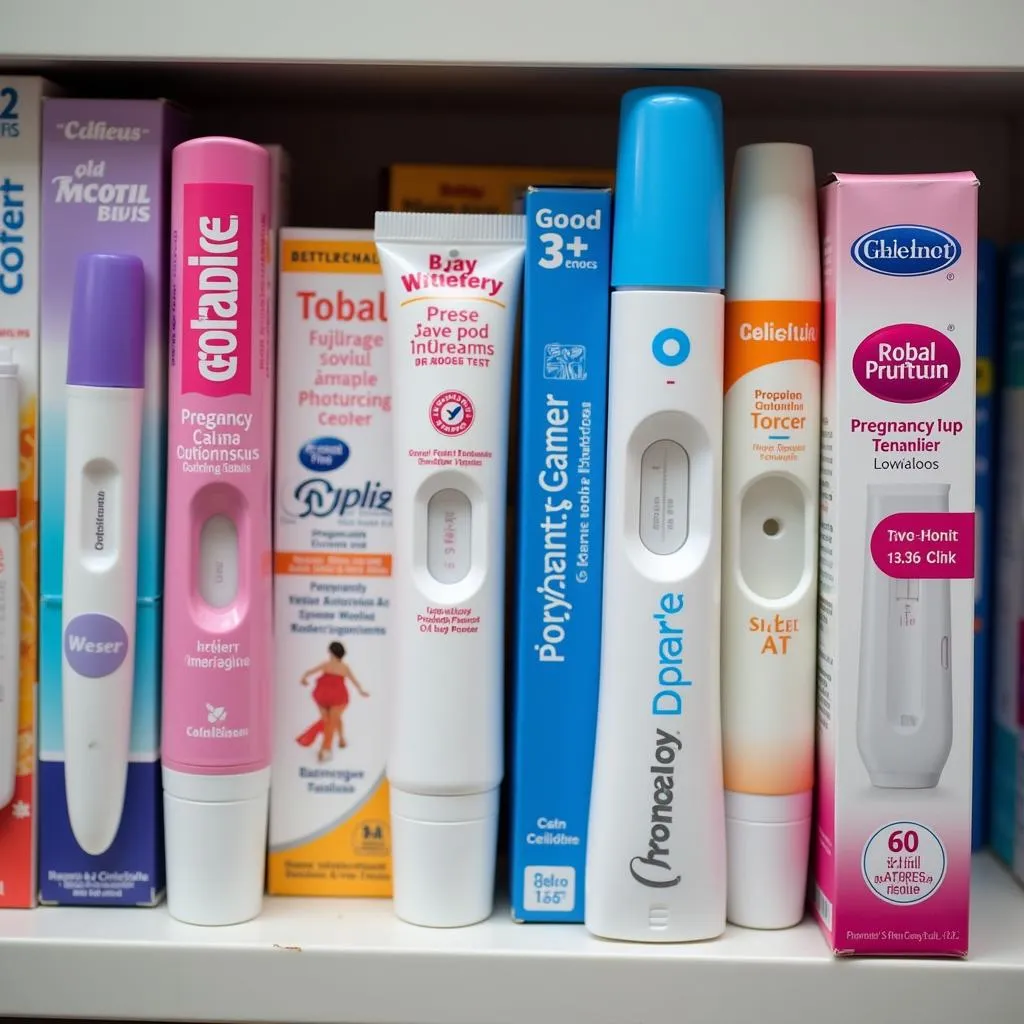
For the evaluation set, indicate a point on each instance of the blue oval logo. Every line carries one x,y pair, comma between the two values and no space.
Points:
905,250
323,454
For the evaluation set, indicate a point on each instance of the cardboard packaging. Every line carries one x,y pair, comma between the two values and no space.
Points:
106,167
443,188
559,545
329,825
897,549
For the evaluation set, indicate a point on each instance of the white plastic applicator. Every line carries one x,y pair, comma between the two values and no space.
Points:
770,531
905,699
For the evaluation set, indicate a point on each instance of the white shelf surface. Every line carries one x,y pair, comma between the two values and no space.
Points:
984,34
352,961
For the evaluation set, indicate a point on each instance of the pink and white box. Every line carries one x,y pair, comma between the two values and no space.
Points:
896,606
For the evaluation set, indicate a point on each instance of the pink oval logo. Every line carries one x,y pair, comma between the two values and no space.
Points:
906,363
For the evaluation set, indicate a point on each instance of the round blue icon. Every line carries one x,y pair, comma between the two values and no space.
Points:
671,346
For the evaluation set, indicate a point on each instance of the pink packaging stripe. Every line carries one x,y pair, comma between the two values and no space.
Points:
925,546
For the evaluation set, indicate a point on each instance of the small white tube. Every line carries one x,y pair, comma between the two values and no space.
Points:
452,285
770,531
10,575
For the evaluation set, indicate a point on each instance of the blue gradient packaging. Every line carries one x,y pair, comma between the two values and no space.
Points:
106,167
984,499
1006,821
564,377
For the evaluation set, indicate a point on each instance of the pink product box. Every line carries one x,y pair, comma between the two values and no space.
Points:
896,608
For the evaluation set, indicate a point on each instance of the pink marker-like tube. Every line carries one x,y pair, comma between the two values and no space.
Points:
217,594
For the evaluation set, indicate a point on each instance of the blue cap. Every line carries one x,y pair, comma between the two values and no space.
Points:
670,191
107,344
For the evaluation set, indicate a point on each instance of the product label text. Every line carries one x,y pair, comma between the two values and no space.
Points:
217,290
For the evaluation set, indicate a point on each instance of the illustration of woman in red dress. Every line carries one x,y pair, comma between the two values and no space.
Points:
331,696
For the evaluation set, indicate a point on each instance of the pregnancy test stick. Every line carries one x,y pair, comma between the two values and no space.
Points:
10,578
656,845
105,387
905,697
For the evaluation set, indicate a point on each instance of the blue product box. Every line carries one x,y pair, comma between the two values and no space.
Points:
559,545
1006,823
984,490
105,184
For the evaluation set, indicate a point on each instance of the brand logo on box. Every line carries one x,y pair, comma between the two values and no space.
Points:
324,454
906,363
100,131
320,498
905,250
216,312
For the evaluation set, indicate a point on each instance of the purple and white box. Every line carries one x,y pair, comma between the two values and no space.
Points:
105,182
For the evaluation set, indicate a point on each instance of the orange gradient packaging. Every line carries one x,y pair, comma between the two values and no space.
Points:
446,188
329,831
770,524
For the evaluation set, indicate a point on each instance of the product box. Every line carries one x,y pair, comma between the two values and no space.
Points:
21,102
329,827
559,545
984,499
896,605
280,203
280,188
1006,821
280,206
106,166
441,188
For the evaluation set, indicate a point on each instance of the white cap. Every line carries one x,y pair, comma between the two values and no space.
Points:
8,368
215,842
443,851
773,225
767,860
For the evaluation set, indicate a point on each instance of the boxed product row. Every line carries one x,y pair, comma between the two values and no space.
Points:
272,641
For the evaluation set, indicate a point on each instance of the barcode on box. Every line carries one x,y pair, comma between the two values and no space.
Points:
823,905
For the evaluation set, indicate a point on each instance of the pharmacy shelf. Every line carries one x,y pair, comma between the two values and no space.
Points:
352,961
984,34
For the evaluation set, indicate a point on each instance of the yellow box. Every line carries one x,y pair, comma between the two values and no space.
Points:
329,827
444,188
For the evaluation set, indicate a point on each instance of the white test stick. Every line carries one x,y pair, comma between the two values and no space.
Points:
105,389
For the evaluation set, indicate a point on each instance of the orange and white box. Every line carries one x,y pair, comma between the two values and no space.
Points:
329,830
21,101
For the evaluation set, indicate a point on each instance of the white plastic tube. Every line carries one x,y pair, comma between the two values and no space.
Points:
452,284
770,531
905,706
218,596
105,392
10,574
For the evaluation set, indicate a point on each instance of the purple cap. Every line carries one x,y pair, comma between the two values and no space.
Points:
108,322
